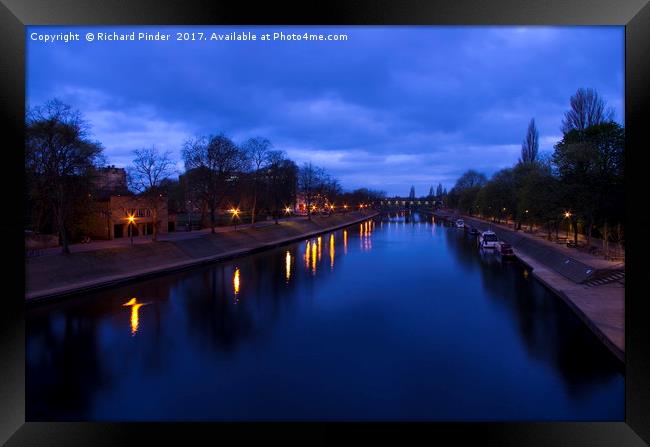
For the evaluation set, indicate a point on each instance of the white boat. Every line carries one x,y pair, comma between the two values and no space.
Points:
460,223
488,239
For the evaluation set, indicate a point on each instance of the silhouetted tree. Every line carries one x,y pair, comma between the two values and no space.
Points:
146,175
216,163
282,175
587,109
60,162
530,146
257,150
465,191
310,183
590,166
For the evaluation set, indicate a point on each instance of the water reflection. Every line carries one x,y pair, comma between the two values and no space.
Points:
287,266
235,283
320,252
461,319
365,233
135,314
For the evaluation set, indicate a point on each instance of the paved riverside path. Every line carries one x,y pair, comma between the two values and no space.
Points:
173,236
59,274
601,307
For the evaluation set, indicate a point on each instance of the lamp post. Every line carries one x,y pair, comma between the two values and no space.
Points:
189,213
530,228
567,215
131,219
235,215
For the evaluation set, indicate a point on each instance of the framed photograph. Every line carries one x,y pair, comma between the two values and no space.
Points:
372,219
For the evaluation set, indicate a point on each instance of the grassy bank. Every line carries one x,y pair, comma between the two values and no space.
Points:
51,276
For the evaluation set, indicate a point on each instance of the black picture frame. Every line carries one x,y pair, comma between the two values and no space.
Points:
15,14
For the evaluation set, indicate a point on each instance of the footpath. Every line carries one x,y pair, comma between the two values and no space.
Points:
593,287
56,275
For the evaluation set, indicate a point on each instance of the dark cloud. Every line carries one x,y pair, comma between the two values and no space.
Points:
390,107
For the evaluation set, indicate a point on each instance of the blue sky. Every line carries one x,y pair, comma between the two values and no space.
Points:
389,108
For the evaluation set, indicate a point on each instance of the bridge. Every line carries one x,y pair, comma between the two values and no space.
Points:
408,204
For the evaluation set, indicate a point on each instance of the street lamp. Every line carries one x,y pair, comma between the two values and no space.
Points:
189,213
287,210
131,220
235,215
567,215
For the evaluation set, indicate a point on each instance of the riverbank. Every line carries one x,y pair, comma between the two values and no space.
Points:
570,276
58,275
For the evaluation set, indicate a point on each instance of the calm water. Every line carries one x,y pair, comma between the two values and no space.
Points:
383,320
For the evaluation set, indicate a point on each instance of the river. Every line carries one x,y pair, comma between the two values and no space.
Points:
398,318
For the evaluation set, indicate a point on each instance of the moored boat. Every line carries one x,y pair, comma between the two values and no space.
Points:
488,239
505,250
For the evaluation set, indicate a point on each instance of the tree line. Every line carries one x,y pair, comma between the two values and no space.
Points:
581,183
62,164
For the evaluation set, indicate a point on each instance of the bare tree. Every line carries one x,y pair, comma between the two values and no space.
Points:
530,146
282,178
213,165
310,182
150,168
60,161
257,150
331,189
587,109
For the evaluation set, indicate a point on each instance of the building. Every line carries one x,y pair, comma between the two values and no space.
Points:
110,180
112,217
114,204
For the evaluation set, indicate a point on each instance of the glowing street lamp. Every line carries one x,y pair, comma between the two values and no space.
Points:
235,215
567,215
287,210
131,221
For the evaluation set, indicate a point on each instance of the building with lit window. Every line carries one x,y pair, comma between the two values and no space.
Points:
114,204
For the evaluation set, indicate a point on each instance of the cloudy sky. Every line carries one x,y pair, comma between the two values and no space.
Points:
389,108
